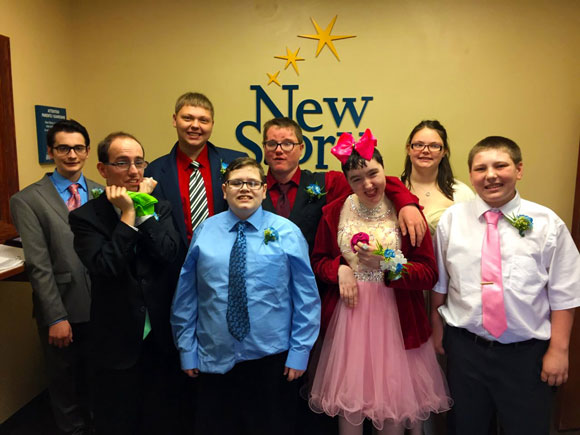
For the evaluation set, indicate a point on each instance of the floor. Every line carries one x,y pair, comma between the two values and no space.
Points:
36,419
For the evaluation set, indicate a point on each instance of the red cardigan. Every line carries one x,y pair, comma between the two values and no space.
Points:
422,274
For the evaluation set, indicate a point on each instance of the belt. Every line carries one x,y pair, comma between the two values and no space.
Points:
492,343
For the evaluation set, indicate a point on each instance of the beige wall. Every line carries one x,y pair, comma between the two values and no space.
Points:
481,68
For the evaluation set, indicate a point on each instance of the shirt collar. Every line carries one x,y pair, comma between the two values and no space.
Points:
508,209
255,220
271,181
61,183
183,160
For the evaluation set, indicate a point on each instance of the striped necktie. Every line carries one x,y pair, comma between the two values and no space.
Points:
197,197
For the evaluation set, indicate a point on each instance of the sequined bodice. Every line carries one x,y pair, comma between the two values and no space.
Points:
380,223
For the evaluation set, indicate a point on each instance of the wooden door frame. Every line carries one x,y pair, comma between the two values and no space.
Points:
8,157
567,416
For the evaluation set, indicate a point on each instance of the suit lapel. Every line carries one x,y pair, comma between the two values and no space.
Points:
215,164
48,194
169,183
90,186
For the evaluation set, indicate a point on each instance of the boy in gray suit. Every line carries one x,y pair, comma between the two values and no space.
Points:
60,283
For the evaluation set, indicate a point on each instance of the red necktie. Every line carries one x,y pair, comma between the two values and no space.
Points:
283,204
492,304
75,198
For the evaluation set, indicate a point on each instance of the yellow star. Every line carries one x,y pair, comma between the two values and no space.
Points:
291,58
325,38
274,78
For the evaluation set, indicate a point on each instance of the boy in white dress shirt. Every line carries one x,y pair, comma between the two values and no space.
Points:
502,358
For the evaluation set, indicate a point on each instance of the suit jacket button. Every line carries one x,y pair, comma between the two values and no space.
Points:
142,309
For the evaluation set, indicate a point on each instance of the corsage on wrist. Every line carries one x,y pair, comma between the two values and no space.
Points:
393,263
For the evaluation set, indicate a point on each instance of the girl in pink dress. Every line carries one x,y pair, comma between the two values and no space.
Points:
377,360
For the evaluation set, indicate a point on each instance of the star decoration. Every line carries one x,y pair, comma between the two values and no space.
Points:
291,58
273,78
325,38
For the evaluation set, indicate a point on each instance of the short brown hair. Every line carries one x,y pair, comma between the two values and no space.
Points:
105,144
242,162
496,143
283,123
194,99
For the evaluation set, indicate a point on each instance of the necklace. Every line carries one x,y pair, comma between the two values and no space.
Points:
425,191
376,213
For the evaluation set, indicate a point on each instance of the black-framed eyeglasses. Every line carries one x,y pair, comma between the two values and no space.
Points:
419,146
64,150
272,145
238,184
124,165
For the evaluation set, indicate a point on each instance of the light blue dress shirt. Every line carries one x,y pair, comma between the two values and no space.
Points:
283,301
61,184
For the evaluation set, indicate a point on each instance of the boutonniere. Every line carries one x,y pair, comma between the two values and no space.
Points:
314,191
521,222
96,192
270,235
223,167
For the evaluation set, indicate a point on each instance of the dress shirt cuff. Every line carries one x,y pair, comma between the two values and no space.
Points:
440,289
57,321
140,219
189,360
297,360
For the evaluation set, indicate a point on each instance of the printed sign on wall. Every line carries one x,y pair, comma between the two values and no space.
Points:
46,117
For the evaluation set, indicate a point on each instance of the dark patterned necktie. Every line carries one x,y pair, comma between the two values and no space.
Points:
197,197
237,315
283,204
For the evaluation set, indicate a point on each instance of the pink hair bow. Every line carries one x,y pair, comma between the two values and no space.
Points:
365,146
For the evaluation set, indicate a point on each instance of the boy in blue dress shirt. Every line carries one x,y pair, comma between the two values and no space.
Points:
246,311
509,314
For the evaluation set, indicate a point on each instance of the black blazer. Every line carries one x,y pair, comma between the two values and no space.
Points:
164,170
124,266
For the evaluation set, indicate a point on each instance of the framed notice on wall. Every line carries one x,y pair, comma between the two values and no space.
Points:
46,117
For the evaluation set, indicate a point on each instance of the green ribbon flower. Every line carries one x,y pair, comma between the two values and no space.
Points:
143,202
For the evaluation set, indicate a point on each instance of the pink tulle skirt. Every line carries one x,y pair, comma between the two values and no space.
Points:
364,370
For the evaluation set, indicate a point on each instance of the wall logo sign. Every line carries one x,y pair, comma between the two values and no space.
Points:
300,109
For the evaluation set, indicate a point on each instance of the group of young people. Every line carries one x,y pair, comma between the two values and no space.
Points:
248,280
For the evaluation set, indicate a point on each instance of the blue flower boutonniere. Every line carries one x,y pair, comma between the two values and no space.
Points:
521,222
314,191
223,167
270,235
96,192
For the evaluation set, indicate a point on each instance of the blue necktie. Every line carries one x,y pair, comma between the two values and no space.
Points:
237,315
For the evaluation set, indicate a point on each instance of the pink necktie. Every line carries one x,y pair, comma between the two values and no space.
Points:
494,319
75,198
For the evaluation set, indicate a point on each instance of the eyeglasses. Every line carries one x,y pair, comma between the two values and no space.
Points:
419,146
272,145
64,150
238,184
124,165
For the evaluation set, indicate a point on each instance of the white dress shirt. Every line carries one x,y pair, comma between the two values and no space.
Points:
541,271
